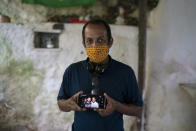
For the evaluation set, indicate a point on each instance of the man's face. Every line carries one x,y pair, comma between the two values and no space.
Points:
88,99
95,35
93,99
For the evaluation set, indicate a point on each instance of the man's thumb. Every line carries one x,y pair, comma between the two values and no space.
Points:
77,94
107,97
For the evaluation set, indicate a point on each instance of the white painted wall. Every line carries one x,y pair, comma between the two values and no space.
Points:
54,61
171,52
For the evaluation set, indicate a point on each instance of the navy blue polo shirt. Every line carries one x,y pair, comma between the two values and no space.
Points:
118,81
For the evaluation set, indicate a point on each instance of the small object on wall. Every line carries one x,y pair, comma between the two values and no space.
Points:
4,19
120,19
87,17
49,43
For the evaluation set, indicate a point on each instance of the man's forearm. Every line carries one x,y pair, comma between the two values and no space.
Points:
70,104
63,105
128,109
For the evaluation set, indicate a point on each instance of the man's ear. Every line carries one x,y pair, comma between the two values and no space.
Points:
110,42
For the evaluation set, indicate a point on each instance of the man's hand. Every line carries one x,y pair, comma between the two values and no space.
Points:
70,104
113,105
109,108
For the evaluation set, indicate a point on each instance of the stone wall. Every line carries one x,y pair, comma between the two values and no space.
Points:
31,78
171,61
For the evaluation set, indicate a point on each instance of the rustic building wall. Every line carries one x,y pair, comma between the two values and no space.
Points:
171,61
31,78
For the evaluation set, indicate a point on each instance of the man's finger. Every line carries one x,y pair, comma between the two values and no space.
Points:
107,97
95,109
77,94
103,113
101,110
77,108
84,109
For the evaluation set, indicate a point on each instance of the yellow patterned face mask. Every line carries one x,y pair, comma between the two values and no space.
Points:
97,53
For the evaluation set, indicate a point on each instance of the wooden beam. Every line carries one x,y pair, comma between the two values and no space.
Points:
142,53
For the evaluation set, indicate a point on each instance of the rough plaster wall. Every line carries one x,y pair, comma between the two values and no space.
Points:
170,61
54,61
29,13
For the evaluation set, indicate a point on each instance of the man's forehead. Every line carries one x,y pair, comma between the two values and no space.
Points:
95,29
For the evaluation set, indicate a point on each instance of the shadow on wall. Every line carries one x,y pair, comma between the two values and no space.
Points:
20,83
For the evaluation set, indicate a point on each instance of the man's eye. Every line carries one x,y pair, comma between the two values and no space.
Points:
101,41
89,41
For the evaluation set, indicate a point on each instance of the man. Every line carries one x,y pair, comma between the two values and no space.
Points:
116,80
94,104
87,103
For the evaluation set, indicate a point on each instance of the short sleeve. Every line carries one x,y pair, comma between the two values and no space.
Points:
133,92
65,86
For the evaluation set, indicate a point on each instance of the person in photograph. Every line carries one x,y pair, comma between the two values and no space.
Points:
87,104
94,103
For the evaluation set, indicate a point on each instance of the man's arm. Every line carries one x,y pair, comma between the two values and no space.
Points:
70,104
128,109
